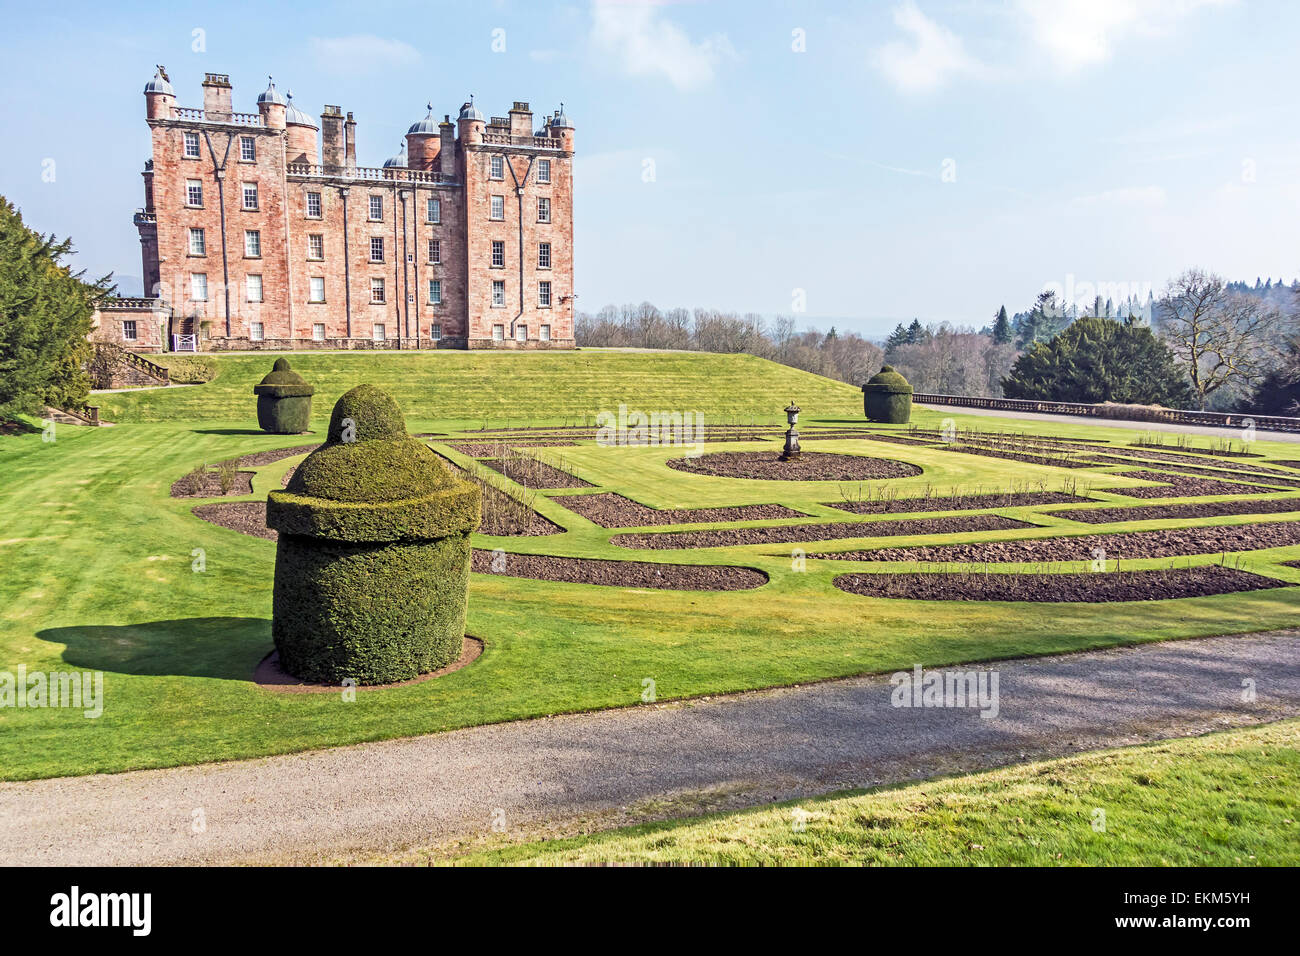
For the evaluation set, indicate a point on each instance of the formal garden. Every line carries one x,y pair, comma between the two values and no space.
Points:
602,557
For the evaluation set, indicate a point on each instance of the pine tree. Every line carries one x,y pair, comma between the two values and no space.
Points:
45,316
1002,328
915,332
896,338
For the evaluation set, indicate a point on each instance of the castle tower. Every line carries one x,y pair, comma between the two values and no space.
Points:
271,105
560,128
424,143
471,124
301,133
159,97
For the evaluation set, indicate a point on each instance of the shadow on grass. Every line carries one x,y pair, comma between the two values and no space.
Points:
227,648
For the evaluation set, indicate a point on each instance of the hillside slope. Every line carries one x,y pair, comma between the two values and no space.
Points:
507,386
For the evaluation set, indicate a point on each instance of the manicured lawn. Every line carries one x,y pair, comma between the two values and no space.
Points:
100,567
1226,799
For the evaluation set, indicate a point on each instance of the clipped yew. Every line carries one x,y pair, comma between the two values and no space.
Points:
887,397
372,563
283,401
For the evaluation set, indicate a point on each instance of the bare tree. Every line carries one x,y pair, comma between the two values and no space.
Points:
1223,339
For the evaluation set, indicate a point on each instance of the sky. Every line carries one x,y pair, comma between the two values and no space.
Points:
856,164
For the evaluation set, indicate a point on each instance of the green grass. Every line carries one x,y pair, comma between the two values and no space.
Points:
100,577
503,387
1226,799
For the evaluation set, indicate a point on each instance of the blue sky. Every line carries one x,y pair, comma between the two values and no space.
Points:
869,162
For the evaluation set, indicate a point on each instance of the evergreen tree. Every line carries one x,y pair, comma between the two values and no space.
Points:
1100,360
1002,328
915,332
896,338
45,316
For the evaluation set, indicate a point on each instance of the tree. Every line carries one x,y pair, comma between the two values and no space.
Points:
1223,339
915,332
896,338
1278,393
1099,360
1002,328
1044,320
45,316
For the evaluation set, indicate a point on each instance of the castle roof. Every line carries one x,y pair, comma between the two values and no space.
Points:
560,120
470,112
399,160
271,94
159,84
296,117
425,127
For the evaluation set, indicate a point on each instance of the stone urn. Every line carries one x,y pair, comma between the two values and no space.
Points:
373,558
283,401
887,397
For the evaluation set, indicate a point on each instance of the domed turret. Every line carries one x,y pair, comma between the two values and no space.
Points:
301,139
159,96
423,143
272,106
470,112
270,94
427,126
159,84
398,161
471,123
561,128
296,117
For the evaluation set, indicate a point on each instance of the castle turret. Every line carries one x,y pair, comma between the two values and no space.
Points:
423,143
159,97
216,97
471,124
560,128
271,105
301,138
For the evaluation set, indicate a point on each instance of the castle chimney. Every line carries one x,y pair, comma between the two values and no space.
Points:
521,120
447,150
350,154
331,137
216,97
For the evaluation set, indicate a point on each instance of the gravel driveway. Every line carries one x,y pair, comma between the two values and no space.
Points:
553,775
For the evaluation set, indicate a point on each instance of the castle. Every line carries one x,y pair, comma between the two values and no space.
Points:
260,231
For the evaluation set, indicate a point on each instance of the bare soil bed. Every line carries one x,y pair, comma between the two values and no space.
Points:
785,534
1181,486
1128,545
504,515
248,517
1286,462
492,449
811,466
209,486
1224,472
1208,509
625,574
532,473
957,502
614,511
1089,587
259,458
900,440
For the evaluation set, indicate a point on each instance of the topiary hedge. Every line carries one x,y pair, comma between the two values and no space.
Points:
283,401
372,562
887,397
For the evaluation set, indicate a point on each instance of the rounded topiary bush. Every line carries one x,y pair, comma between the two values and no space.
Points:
283,401
372,562
887,397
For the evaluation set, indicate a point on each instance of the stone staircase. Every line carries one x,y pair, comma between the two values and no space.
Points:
115,367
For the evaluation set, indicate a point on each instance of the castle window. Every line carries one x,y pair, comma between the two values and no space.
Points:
380,332
253,288
434,212
376,208
376,249
316,246
318,331
543,255
377,291
543,170
498,207
498,167
250,196
435,332
193,193
543,209
252,244
498,333
435,292
435,251
198,244
521,333
313,205
317,287
498,254
247,149
199,286
256,332
191,145
544,333
543,295
128,330
498,294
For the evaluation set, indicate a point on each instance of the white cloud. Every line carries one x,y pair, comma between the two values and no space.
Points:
645,44
930,56
1079,33
364,52
1126,196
